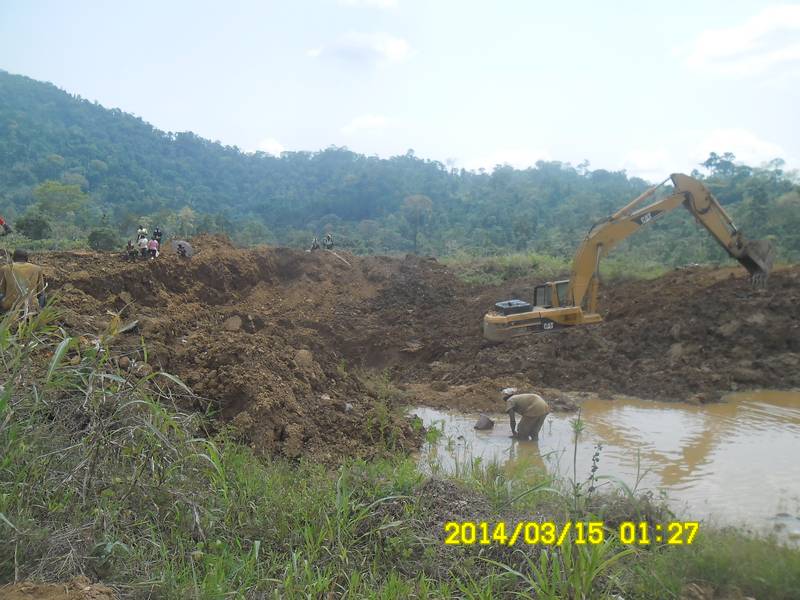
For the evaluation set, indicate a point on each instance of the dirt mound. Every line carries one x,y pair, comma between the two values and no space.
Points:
699,332
79,588
275,339
252,332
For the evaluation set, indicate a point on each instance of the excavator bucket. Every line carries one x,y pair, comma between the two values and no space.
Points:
757,257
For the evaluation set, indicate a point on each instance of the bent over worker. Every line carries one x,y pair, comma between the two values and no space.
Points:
531,407
22,281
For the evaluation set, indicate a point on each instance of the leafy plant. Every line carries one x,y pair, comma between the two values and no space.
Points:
570,570
103,239
34,225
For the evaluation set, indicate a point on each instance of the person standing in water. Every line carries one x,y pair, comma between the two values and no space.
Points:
531,407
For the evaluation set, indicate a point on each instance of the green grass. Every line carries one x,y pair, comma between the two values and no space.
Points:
723,559
10,242
100,474
494,270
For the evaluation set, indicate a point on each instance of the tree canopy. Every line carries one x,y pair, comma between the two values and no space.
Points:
76,166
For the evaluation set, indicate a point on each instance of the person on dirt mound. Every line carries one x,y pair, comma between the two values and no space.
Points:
131,252
6,227
22,281
327,241
531,407
314,244
144,249
157,235
152,247
141,232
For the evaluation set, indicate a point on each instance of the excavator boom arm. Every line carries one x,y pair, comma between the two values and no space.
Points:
756,256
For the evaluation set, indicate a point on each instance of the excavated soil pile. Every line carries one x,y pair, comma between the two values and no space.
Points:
252,332
275,337
694,333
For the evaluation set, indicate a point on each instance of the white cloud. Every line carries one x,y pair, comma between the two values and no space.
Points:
271,146
747,146
519,158
686,150
381,4
765,40
651,164
365,123
379,48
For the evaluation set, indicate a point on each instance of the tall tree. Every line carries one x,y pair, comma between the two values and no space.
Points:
417,209
55,198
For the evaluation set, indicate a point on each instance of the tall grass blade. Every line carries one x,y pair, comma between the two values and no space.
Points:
60,351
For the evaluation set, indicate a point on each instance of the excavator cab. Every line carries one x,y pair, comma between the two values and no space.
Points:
551,294
552,309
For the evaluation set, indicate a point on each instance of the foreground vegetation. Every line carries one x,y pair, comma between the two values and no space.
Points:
101,474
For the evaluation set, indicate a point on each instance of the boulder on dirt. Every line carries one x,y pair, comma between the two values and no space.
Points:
676,351
182,247
728,329
233,323
143,369
484,423
304,359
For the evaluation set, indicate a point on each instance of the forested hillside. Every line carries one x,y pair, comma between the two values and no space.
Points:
69,166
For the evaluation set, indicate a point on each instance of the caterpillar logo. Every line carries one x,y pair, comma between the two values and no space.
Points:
543,325
648,216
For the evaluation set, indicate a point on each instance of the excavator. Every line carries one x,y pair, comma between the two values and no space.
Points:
573,301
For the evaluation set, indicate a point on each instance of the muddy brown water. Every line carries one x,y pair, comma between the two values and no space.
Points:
736,462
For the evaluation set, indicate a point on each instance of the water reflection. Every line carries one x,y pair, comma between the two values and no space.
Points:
734,461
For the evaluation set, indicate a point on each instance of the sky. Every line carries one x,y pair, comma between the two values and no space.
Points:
647,87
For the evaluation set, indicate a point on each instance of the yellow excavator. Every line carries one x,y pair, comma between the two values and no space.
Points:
573,301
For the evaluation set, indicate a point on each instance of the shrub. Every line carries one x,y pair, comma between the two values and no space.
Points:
103,239
34,225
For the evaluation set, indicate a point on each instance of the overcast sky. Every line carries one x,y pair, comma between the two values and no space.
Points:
648,87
